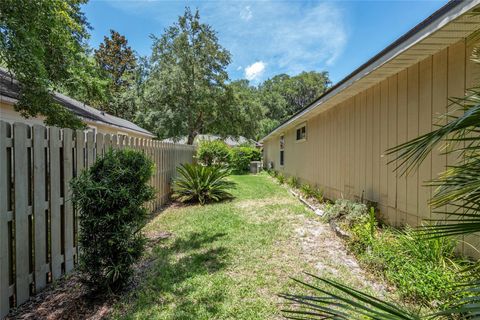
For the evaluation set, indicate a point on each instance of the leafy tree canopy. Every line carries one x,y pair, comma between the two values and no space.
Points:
40,41
119,64
186,92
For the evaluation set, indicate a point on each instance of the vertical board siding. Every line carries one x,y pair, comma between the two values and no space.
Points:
350,139
38,223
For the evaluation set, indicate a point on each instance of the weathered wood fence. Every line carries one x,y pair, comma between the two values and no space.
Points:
38,226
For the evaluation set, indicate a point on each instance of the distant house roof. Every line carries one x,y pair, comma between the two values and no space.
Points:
10,88
230,140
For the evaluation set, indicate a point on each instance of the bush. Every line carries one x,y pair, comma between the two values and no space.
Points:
349,211
281,178
240,158
110,197
202,184
213,153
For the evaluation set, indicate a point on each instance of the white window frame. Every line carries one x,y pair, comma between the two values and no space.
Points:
282,149
299,127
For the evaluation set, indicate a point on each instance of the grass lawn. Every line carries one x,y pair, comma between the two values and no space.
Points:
226,260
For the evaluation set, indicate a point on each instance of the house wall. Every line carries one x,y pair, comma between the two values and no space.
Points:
8,113
344,146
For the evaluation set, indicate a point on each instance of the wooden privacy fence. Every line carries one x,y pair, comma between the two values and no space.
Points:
38,226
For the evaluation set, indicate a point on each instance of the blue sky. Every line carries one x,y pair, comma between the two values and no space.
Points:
271,37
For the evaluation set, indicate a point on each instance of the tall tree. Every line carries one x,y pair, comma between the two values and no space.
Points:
117,59
39,43
186,93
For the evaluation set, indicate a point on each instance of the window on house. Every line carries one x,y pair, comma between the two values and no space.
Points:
282,151
302,133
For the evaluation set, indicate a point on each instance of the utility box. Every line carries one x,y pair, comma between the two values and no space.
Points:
255,166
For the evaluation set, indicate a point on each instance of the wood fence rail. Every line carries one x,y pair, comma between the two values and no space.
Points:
38,225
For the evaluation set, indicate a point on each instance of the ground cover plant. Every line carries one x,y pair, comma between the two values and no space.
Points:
202,184
110,197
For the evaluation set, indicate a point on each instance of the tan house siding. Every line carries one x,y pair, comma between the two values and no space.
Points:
344,146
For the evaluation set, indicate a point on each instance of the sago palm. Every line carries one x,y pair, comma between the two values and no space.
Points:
197,183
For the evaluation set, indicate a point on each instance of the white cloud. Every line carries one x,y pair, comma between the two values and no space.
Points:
239,68
255,70
246,13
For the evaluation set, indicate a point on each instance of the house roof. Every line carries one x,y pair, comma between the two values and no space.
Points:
229,140
10,88
444,27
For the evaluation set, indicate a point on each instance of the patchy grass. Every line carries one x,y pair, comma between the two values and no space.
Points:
230,260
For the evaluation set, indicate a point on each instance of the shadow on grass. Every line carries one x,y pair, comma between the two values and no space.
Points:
174,288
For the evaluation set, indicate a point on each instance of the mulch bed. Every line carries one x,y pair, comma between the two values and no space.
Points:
69,298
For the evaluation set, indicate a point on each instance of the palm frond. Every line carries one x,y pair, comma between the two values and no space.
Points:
348,303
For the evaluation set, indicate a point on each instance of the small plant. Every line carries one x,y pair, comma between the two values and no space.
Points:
213,153
202,184
240,158
281,178
109,197
311,192
293,182
346,210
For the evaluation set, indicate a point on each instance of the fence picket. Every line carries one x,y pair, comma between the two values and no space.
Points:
56,259
5,137
22,250
40,206
68,216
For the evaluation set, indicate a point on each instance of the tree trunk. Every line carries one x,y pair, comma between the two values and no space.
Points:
191,138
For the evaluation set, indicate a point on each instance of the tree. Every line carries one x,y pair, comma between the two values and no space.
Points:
87,83
284,96
186,92
118,62
248,108
39,43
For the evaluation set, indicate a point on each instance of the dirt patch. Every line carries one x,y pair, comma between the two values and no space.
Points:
321,247
69,298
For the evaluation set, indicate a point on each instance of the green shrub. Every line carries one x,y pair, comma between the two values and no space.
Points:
281,178
347,210
293,182
213,153
240,158
110,197
197,183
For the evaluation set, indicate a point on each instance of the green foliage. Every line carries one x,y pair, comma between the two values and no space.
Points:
214,152
118,63
423,271
202,184
186,91
312,192
346,210
40,42
240,158
110,196
281,178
